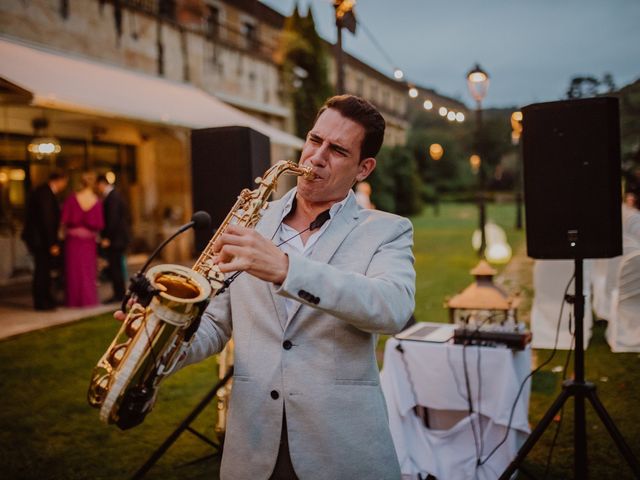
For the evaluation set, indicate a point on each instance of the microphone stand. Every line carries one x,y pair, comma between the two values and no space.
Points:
139,284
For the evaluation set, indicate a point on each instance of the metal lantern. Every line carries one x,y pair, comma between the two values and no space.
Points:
483,303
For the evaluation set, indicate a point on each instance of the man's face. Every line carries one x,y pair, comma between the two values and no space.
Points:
60,184
332,149
101,187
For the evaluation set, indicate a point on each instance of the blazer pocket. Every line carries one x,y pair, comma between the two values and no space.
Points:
241,378
366,383
354,357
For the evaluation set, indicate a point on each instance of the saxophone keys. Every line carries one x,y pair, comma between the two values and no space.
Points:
117,354
103,384
215,274
98,390
258,180
133,325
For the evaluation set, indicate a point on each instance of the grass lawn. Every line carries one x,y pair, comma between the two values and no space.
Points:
47,430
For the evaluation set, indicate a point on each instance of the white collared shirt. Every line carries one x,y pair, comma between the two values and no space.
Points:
294,243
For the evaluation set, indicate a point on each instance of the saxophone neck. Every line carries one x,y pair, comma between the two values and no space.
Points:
247,209
271,176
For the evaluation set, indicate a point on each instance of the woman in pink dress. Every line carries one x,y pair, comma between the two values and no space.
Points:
82,219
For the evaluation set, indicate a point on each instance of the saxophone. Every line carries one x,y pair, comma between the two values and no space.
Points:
153,337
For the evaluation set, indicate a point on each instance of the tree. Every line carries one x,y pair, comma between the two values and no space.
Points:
395,183
441,175
303,57
589,86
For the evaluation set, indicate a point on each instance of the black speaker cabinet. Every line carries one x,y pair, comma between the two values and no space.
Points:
224,161
572,180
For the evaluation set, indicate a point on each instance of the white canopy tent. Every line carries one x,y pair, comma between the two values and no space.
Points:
81,85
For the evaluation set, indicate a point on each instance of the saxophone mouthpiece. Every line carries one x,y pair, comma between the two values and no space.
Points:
308,173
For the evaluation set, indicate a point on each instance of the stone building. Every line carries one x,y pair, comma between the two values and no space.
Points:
121,83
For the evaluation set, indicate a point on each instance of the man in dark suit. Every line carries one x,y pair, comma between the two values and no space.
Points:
40,233
115,236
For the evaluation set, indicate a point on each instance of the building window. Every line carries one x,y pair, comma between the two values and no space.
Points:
359,86
385,98
213,22
167,9
250,34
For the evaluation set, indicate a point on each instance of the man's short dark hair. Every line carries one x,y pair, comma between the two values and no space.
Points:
57,174
102,178
362,112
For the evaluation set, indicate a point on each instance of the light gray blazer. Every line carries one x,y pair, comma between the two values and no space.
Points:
359,281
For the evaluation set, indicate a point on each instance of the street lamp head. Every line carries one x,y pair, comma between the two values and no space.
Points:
398,74
516,127
436,151
478,83
475,161
516,117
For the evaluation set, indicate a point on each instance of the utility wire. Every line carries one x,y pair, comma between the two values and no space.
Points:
376,43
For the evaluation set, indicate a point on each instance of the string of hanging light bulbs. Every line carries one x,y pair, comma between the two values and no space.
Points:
412,90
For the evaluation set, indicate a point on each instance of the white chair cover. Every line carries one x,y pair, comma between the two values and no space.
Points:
550,278
623,331
630,224
601,301
604,276
605,281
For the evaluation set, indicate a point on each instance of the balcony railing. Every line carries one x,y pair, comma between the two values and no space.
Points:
180,16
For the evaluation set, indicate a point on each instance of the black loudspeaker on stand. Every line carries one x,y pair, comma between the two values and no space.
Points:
571,153
223,161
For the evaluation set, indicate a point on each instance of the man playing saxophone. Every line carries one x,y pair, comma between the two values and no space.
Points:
306,400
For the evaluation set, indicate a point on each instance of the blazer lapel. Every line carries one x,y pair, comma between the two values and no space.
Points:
337,231
332,238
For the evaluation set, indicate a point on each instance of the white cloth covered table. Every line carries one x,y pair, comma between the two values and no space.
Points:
550,278
432,375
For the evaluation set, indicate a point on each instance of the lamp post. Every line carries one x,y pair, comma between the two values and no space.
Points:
516,132
436,152
478,83
345,18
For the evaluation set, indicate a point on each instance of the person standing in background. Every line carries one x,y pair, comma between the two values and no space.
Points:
82,219
630,221
42,221
115,235
363,195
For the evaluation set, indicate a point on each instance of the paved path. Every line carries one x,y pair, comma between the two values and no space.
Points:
17,315
517,277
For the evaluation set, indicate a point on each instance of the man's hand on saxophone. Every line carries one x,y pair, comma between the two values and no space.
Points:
120,315
244,249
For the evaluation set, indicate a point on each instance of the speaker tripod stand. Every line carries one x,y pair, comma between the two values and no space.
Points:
186,425
580,390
